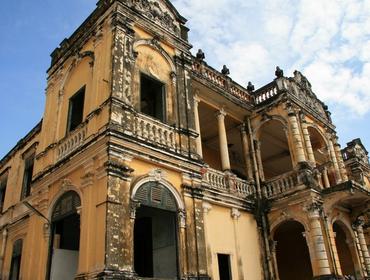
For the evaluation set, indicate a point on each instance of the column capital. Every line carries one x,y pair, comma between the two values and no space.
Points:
359,222
221,113
196,97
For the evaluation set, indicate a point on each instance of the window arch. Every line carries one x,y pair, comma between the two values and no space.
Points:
65,237
156,231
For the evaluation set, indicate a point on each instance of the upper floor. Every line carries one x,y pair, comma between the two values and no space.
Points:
127,74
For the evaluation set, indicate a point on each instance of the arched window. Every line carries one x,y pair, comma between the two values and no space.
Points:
15,266
155,232
65,239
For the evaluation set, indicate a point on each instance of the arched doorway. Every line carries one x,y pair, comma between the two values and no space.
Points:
292,255
65,238
156,232
275,153
344,252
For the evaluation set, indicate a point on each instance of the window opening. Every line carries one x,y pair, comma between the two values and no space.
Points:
224,266
3,183
15,266
155,232
76,109
27,177
65,245
152,97
155,243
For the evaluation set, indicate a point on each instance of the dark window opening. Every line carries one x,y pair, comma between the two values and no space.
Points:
27,177
76,109
3,183
224,266
155,243
15,265
65,239
152,98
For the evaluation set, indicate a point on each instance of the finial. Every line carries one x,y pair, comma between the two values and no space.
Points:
225,71
250,87
279,73
200,55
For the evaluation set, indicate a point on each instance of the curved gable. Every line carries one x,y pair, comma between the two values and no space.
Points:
161,12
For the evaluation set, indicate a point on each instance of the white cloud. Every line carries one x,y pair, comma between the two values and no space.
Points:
329,41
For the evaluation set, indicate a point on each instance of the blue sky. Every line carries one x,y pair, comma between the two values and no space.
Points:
329,41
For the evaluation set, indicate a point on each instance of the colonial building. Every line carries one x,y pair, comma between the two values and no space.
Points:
149,163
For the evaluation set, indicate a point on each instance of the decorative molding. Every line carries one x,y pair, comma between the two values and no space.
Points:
158,174
206,207
235,213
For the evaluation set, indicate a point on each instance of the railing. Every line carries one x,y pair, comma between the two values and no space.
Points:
71,142
244,187
222,81
281,184
155,132
228,183
265,93
216,179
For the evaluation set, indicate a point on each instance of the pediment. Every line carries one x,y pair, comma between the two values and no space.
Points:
161,12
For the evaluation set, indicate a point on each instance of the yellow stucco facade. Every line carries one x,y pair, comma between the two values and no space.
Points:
150,164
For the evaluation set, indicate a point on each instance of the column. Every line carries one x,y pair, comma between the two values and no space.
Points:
3,247
307,140
358,226
297,139
198,140
342,167
321,262
334,160
246,149
224,150
325,178
259,160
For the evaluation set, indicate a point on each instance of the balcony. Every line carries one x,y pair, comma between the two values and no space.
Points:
71,142
228,183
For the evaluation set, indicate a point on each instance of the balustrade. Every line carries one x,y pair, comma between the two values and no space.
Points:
281,184
71,142
265,93
155,132
222,81
227,183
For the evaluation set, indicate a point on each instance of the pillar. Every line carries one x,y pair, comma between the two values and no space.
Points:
198,140
342,167
246,152
297,139
333,246
334,160
321,262
358,226
325,178
259,159
2,252
119,251
307,140
224,150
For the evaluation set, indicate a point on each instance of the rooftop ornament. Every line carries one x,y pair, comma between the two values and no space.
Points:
250,87
200,55
279,73
225,71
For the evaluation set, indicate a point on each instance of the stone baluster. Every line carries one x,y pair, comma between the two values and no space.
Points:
307,140
197,126
334,160
297,138
246,152
360,236
224,150
321,262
